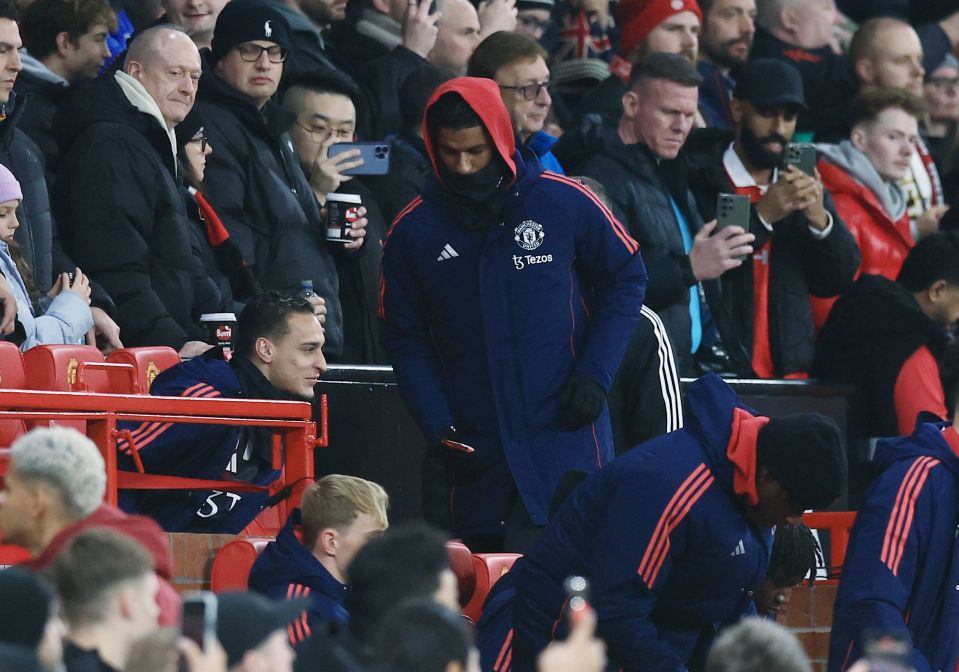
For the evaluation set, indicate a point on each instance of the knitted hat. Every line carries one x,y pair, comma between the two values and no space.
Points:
804,453
637,18
9,187
246,620
241,22
24,609
535,4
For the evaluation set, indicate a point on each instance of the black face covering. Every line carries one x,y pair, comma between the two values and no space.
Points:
477,194
475,188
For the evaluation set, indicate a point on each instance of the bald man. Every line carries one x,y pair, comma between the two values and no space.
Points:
458,37
117,197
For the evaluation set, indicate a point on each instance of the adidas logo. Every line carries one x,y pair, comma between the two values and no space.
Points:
447,253
739,550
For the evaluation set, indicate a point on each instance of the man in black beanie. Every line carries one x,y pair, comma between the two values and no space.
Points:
674,536
253,178
30,618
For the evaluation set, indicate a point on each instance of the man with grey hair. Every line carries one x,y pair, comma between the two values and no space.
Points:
53,491
107,590
117,193
757,645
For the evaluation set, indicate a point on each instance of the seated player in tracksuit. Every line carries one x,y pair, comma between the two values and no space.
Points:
901,571
278,357
311,555
674,536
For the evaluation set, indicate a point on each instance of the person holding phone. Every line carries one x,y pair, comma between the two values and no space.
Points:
802,246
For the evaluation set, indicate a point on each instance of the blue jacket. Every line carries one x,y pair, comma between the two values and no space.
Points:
663,540
714,95
198,451
485,326
901,571
541,143
286,569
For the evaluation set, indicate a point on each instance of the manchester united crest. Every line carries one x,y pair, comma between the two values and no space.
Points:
529,235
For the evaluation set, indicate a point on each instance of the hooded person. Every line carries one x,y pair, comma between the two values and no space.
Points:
902,564
507,298
674,537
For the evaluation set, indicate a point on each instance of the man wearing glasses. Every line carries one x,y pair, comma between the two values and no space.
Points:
253,177
517,64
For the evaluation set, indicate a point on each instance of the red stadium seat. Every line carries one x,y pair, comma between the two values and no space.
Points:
232,563
837,524
148,362
56,368
461,562
487,568
11,378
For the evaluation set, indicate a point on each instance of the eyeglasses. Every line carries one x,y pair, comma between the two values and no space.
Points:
202,140
251,53
532,23
323,133
528,91
944,82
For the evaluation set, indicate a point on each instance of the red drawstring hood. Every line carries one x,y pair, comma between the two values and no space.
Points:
482,95
741,451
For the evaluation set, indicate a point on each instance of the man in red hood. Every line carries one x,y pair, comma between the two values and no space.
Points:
507,298
53,491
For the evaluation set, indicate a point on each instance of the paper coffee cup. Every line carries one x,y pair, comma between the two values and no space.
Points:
221,331
341,211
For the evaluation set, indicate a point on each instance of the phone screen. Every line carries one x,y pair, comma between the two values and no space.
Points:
199,619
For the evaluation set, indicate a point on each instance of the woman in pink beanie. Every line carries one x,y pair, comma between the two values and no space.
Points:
63,315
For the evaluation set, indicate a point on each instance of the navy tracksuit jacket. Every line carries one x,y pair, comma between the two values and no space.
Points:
901,572
485,327
664,542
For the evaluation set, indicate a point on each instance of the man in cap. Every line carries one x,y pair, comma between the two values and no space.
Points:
801,246
265,200
646,27
674,536
253,631
533,17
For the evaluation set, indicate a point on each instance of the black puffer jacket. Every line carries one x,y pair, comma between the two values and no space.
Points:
871,331
799,264
264,199
123,217
43,97
640,190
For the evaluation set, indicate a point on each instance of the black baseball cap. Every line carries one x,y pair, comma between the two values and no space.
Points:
768,82
246,620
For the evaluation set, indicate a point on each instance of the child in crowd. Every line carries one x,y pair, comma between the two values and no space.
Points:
63,315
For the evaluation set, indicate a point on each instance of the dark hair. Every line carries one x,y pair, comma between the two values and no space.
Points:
267,316
324,81
501,49
43,20
416,90
421,636
935,257
90,566
453,112
8,10
869,104
404,563
795,554
669,67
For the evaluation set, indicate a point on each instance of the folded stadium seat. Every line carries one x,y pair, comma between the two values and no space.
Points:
461,562
11,378
267,523
232,563
56,368
836,526
487,568
149,362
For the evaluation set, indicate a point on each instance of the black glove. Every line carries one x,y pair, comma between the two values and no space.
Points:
582,402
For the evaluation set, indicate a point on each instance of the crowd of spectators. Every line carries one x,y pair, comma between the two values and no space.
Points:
546,254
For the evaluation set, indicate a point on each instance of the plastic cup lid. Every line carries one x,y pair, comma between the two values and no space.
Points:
218,317
344,198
